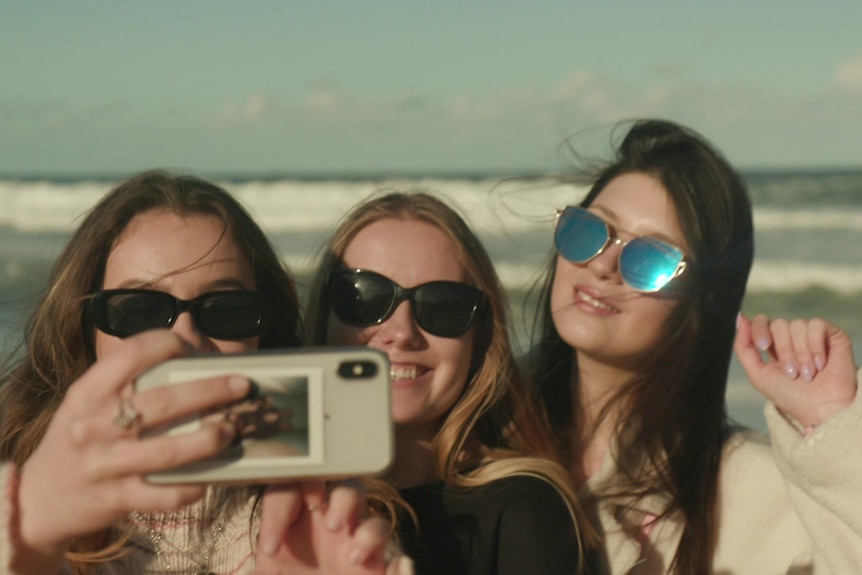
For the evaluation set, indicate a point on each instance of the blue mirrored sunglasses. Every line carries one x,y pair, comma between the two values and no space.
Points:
646,264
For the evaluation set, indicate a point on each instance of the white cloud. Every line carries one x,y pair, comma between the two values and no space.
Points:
253,108
323,100
848,76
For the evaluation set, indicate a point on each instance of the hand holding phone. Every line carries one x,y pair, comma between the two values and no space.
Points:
312,413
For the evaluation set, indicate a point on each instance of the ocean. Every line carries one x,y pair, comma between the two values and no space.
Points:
808,238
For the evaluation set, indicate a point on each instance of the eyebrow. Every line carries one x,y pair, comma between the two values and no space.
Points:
216,285
612,215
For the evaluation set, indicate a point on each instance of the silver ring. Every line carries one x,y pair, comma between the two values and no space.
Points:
127,417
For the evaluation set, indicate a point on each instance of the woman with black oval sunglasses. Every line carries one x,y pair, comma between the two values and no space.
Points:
158,251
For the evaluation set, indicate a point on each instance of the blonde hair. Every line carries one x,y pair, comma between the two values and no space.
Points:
496,428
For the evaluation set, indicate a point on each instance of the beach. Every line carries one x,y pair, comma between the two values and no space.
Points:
807,252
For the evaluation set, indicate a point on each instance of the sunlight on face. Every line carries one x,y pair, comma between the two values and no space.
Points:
593,310
184,256
429,372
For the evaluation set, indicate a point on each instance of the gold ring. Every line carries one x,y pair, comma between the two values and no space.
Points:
127,417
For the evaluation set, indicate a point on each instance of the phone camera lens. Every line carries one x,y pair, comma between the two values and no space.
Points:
357,369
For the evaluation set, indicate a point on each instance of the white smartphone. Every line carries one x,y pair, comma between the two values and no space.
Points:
312,413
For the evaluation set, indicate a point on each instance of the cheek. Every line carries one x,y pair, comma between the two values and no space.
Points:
459,356
338,333
561,287
228,346
652,323
105,344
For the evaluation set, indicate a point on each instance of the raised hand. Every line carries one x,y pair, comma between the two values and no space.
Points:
304,532
88,470
808,371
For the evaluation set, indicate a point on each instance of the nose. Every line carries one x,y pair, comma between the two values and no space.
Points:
186,328
399,329
606,264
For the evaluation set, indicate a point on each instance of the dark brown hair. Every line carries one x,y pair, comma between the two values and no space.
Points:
672,422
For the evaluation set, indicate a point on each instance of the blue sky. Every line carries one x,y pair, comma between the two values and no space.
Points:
318,86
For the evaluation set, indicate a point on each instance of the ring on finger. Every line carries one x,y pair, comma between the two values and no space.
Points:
127,417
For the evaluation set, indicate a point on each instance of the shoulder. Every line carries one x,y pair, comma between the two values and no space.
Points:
758,520
748,462
752,489
526,502
517,490
496,493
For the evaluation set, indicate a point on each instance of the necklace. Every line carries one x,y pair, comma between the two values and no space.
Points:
200,556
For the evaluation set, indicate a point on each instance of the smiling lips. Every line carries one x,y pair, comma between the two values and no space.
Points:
593,304
405,372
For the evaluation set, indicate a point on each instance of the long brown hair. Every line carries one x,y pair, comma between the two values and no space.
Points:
495,424
672,423
60,342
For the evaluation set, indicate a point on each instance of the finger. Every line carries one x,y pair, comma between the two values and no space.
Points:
744,346
108,376
799,338
138,495
314,494
162,452
163,404
818,336
760,332
346,506
371,541
280,507
783,349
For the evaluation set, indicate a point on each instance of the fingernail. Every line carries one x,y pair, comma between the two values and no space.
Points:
807,372
238,383
819,363
738,319
267,545
790,370
762,343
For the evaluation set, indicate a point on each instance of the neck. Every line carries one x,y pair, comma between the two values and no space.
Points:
598,383
414,461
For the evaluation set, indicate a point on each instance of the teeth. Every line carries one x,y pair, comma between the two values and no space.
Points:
594,302
404,372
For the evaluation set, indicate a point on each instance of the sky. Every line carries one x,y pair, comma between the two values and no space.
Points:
281,87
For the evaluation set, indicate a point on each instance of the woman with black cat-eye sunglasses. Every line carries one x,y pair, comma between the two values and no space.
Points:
404,274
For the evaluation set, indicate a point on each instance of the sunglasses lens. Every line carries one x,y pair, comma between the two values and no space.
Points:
580,235
126,313
648,264
228,315
360,299
446,309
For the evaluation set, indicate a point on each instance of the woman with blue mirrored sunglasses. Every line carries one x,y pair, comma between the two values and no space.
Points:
646,264
634,383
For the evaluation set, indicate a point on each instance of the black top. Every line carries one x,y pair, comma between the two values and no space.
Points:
512,526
